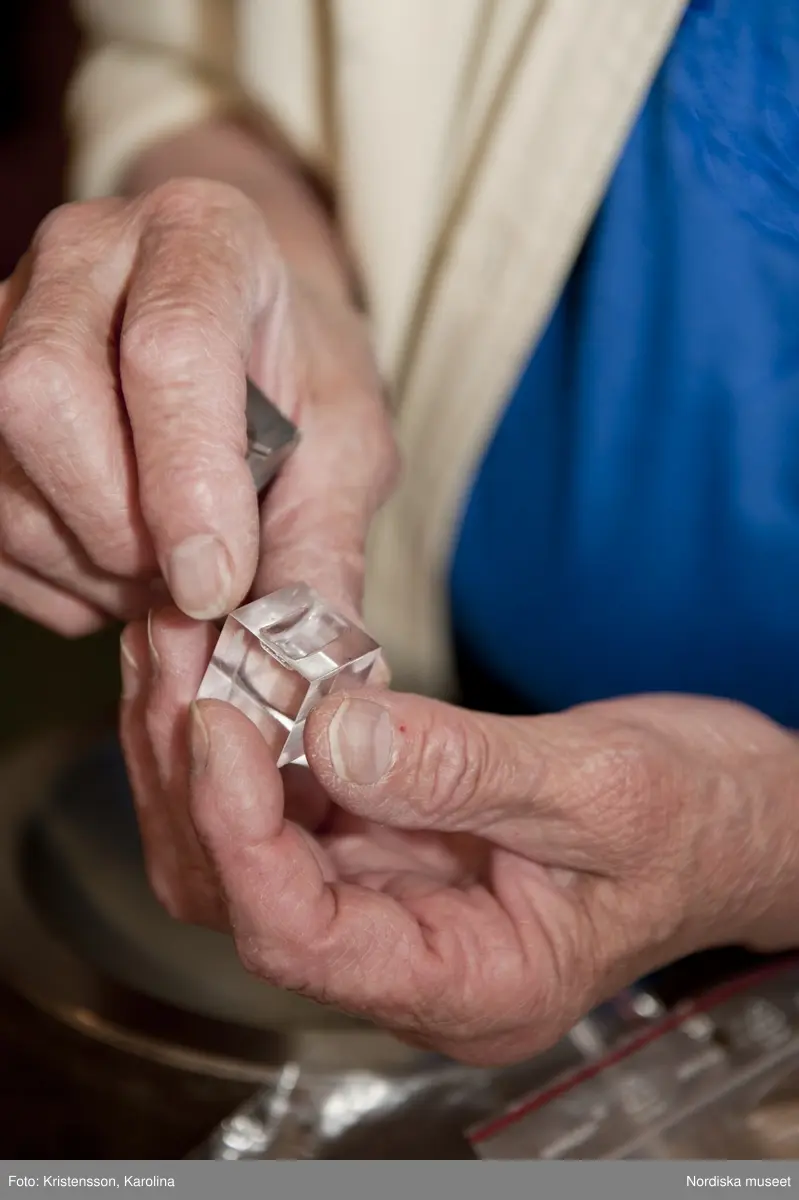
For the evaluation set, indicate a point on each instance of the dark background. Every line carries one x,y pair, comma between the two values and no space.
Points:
61,1095
38,44
38,47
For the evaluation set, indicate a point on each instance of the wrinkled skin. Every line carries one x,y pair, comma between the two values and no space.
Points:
495,879
124,336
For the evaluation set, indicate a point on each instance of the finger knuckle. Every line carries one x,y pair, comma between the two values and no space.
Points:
24,533
624,770
287,966
61,225
25,371
168,340
52,227
451,772
30,533
112,549
183,202
188,473
620,789
76,241
36,370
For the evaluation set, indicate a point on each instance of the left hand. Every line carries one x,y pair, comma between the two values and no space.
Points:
473,883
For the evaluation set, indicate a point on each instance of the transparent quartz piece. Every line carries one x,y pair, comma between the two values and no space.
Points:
278,657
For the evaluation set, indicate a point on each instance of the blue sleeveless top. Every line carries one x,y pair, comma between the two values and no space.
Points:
634,525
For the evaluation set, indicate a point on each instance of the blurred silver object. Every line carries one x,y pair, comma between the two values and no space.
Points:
416,1109
716,1079
271,437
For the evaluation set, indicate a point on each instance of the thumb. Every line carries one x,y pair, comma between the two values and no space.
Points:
420,764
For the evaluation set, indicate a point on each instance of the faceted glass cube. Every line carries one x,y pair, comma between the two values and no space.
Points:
278,657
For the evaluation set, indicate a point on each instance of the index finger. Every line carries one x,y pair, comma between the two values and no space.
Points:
206,273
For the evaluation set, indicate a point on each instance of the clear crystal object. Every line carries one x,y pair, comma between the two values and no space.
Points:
278,657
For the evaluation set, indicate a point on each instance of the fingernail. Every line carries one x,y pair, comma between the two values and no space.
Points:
199,575
155,661
381,673
198,738
361,741
130,669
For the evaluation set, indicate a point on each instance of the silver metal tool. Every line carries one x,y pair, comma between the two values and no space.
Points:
271,437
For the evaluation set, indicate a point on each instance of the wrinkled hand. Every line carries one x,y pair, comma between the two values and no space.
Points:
125,335
474,883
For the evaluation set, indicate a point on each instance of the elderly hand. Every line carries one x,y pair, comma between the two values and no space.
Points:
124,338
471,882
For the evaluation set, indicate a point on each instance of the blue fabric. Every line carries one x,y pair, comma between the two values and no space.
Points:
635,522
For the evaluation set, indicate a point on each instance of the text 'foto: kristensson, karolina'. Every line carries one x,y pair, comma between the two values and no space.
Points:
92,1181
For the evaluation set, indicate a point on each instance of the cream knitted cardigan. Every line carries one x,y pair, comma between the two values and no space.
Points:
469,143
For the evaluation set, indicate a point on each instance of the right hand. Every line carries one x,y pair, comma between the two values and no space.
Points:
126,334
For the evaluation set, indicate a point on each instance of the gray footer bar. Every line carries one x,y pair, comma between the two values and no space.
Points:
397,1180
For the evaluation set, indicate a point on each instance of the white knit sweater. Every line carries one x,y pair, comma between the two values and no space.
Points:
469,143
